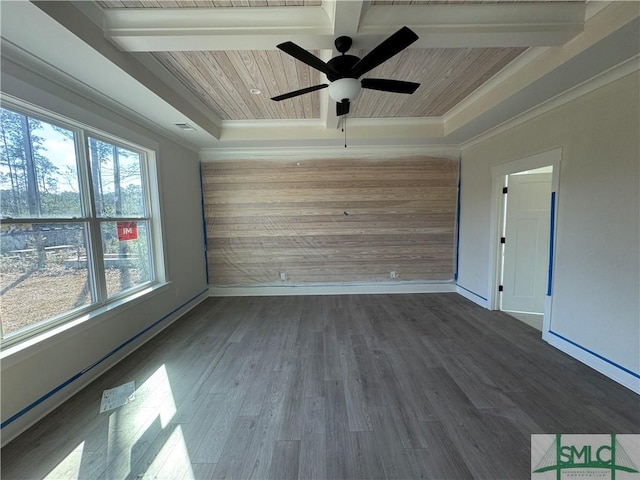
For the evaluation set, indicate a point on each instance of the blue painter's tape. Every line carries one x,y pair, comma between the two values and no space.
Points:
473,293
610,362
455,274
551,237
93,365
204,228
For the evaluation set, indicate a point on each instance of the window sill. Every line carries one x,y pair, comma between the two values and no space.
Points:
45,340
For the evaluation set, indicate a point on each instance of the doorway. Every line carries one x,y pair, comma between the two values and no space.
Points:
526,278
526,213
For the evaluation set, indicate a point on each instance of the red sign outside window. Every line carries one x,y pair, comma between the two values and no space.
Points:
127,231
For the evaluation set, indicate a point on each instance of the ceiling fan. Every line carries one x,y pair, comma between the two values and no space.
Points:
344,70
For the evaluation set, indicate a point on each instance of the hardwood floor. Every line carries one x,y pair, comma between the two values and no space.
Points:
380,386
532,319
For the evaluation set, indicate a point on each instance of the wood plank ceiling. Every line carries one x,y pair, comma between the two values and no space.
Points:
222,79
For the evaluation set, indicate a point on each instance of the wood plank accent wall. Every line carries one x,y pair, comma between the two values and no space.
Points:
330,221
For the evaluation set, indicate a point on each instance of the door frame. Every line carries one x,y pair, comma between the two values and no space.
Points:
498,173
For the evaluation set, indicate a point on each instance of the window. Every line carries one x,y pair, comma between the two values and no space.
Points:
76,222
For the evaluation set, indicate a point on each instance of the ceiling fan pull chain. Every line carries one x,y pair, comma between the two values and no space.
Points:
344,129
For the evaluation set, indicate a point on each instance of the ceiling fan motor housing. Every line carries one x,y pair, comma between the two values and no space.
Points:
341,64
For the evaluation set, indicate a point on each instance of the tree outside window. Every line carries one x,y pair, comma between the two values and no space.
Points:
66,196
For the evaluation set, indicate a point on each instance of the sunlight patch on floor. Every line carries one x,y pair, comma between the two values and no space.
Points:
137,429
70,466
173,461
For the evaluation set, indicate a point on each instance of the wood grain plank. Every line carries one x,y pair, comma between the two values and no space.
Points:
441,459
200,471
340,459
258,456
388,444
368,463
285,461
313,451
233,457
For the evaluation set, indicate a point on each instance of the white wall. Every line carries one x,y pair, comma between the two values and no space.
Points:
596,294
34,372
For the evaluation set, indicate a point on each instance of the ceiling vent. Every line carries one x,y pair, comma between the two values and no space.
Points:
185,126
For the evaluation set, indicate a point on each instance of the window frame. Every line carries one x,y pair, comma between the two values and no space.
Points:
92,223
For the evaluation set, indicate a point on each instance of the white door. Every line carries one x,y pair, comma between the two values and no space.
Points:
526,248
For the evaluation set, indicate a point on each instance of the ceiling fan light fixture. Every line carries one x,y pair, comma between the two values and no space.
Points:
344,89
343,71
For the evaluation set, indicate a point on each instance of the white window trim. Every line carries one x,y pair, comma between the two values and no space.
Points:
42,341
86,314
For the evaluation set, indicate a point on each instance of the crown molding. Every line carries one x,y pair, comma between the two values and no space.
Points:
318,122
359,129
332,152
622,70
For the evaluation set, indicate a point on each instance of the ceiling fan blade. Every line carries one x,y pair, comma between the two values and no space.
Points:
302,91
396,86
342,108
307,57
383,52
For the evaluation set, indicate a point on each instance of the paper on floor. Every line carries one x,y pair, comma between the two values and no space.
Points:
117,397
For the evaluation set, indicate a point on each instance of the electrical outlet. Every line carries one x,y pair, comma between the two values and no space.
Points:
393,275
283,276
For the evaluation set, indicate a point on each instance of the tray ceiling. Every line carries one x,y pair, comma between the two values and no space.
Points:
218,55
477,62
223,80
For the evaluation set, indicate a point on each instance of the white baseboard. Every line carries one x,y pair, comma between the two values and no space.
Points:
49,402
593,360
364,289
474,297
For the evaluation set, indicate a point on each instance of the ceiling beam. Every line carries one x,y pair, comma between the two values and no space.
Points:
344,16
437,25
480,25
197,29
